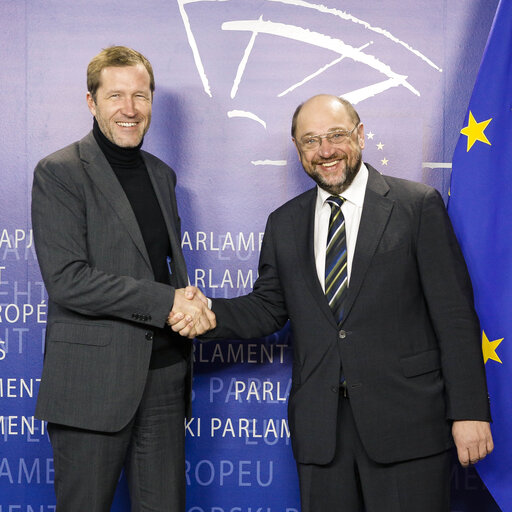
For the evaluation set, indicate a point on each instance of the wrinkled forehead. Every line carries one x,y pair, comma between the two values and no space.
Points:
321,115
124,75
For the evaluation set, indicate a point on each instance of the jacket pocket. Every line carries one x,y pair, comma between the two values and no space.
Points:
421,363
81,333
390,256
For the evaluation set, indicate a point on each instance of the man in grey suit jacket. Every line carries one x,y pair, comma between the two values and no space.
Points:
379,395
116,380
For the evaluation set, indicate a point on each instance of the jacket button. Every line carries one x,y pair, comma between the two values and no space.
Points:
149,336
334,389
342,334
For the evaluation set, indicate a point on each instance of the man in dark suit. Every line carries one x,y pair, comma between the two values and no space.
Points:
116,380
387,371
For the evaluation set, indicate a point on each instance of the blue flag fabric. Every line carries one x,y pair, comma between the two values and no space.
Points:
480,207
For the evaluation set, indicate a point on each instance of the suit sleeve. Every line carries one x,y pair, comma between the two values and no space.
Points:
59,220
261,312
449,295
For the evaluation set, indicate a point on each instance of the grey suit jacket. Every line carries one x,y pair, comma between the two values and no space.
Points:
103,300
410,339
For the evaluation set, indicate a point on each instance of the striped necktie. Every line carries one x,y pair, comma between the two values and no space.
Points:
336,259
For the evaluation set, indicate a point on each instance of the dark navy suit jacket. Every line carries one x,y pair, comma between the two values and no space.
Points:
410,339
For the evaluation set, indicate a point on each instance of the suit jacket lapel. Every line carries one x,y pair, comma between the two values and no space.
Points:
98,168
304,245
161,183
376,211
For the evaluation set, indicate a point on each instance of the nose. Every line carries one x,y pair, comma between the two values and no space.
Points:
128,107
326,148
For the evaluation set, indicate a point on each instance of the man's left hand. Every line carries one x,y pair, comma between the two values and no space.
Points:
190,315
473,440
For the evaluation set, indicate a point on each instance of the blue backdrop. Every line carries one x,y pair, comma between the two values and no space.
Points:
229,74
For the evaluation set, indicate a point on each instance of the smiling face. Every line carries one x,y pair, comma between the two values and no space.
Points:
332,166
122,104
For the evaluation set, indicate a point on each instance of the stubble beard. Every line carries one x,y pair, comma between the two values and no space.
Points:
345,180
110,133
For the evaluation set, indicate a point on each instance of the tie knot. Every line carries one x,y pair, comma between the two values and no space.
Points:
335,201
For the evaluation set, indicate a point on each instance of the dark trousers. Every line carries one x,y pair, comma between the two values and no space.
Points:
151,448
353,482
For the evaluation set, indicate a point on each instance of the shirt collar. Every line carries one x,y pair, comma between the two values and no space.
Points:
354,193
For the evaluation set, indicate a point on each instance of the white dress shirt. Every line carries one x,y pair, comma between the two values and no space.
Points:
352,209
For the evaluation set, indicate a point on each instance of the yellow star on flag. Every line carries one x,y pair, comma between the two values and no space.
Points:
475,131
489,348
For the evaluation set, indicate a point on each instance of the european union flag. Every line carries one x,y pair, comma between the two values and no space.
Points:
480,207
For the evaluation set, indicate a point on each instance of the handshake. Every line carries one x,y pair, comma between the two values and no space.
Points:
190,315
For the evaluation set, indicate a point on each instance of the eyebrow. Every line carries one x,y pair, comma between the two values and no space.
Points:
330,130
121,91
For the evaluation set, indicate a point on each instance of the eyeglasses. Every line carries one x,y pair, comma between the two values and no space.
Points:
335,137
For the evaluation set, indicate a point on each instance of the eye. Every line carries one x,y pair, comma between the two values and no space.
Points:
337,136
311,141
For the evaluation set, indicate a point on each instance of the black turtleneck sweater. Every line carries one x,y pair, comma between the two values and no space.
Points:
130,169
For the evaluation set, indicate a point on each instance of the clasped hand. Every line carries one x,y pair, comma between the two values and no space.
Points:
190,315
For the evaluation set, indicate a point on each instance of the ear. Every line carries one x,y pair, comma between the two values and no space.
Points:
360,135
91,103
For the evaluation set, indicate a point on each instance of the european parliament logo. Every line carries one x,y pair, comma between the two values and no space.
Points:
261,42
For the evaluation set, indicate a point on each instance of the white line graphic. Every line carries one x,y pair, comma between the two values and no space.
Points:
243,63
437,165
318,72
364,93
193,46
344,15
248,115
197,1
320,40
280,163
